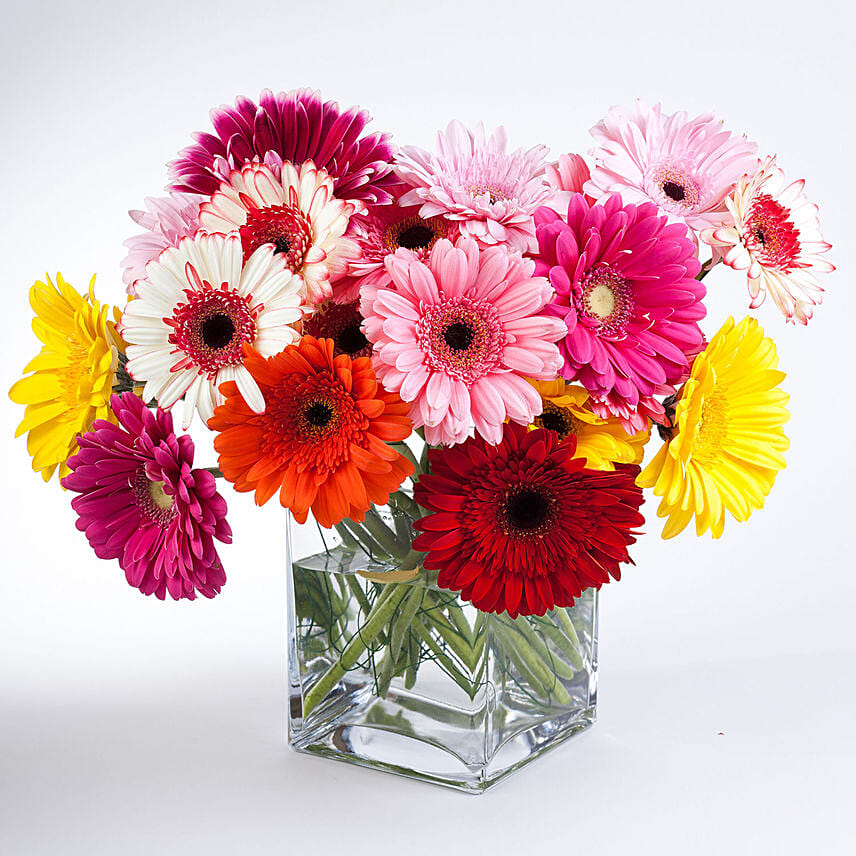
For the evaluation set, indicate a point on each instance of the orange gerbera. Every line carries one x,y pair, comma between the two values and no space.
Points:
322,438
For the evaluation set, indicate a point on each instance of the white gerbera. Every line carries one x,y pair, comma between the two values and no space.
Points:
197,306
296,212
775,237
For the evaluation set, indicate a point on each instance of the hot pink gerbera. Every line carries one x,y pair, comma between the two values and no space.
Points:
167,220
774,235
686,167
380,234
141,503
457,334
289,127
492,194
625,286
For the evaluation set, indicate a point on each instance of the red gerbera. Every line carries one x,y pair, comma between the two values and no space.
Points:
322,440
523,527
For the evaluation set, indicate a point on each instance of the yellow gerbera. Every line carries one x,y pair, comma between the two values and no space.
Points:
727,446
72,377
602,442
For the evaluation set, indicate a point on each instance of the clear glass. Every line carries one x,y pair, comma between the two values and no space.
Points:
390,671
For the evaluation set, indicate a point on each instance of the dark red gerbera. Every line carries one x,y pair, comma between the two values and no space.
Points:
523,527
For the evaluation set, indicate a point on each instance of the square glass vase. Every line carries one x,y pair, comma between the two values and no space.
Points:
388,670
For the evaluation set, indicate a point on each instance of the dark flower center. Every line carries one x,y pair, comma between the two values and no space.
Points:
351,340
674,191
318,414
283,244
553,418
759,235
415,237
459,336
527,510
218,331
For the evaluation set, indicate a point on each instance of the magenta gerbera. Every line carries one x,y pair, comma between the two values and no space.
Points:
141,503
687,167
289,127
491,194
457,334
626,288
167,220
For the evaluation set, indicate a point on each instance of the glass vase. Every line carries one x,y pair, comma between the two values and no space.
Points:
390,671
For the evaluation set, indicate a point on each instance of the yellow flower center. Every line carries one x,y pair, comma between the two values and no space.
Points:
713,430
601,301
74,373
557,419
159,497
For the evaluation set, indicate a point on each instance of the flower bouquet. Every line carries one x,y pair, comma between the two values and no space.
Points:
446,366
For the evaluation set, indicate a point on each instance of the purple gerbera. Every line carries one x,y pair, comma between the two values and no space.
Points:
626,288
296,127
141,503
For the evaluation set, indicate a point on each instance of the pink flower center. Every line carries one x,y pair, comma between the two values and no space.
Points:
462,338
157,505
673,188
770,234
211,327
284,226
605,300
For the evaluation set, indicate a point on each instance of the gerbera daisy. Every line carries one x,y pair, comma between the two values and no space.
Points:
727,444
141,503
341,322
601,442
565,178
322,440
776,239
456,335
382,233
72,377
522,527
626,288
491,194
685,166
167,220
290,127
296,212
197,305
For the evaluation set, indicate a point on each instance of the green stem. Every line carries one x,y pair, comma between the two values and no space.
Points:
383,534
380,614
442,658
357,590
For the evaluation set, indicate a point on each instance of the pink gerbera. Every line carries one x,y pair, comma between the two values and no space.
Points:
167,220
380,234
491,193
291,127
141,503
774,235
687,167
625,286
565,178
458,333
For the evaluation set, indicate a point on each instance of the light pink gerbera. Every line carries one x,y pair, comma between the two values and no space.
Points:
686,167
167,220
380,233
776,239
626,289
565,178
296,212
473,180
458,333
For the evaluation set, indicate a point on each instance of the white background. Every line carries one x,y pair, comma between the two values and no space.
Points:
131,726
